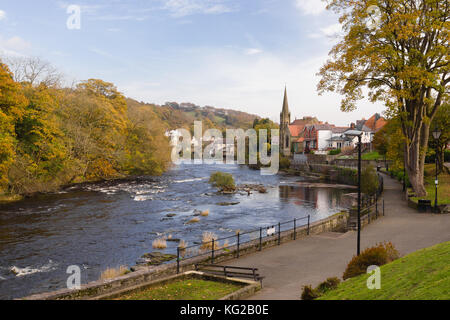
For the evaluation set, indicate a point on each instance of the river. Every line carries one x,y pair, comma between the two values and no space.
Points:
108,224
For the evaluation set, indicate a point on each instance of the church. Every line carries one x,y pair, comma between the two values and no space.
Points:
291,134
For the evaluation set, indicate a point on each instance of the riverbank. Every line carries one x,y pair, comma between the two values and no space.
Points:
316,258
9,198
110,224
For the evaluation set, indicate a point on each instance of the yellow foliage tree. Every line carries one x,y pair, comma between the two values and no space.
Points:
401,54
12,104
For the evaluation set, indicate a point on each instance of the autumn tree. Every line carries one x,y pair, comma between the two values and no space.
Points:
12,103
400,56
33,70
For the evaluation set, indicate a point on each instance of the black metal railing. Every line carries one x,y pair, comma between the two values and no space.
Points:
226,244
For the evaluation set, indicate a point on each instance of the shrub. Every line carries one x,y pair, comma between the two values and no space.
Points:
159,243
327,285
309,293
112,273
378,255
334,152
285,162
369,180
223,181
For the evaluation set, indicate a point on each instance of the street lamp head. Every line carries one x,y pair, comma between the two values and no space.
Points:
436,133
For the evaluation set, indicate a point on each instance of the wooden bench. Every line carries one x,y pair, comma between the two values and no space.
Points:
229,271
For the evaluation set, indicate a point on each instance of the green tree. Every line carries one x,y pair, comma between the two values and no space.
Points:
403,60
442,122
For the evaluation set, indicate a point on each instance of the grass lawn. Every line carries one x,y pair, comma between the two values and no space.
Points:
185,289
422,275
443,187
372,156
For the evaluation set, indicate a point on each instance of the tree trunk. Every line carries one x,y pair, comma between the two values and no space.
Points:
415,160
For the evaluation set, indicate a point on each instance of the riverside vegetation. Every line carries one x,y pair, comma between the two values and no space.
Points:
52,135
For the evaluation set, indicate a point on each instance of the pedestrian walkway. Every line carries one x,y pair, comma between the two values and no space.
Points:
313,259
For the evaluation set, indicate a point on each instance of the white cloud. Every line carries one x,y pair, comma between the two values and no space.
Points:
332,30
253,84
2,15
253,51
182,8
14,45
311,7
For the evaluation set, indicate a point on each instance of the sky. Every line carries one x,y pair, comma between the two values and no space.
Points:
236,54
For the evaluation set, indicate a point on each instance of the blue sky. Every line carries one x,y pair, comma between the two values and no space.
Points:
224,53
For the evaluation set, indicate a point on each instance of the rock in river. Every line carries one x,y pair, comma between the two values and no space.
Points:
155,258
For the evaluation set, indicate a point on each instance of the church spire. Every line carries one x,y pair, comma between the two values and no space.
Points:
285,102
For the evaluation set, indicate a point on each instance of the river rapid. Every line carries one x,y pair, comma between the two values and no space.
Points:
108,224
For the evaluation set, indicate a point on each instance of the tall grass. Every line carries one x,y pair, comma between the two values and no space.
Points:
207,239
112,273
159,243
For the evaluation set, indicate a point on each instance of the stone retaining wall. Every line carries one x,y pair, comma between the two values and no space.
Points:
148,274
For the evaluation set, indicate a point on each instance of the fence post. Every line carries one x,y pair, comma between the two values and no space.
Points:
212,252
308,223
295,229
260,239
279,233
238,236
178,260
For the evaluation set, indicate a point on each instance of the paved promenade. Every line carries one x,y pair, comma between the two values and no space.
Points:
313,259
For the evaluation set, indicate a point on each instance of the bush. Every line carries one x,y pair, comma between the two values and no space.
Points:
334,152
223,181
378,255
327,285
309,293
285,162
369,180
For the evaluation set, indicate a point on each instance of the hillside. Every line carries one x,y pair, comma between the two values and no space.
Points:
424,274
182,115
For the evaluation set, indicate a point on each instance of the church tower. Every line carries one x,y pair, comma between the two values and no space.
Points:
285,120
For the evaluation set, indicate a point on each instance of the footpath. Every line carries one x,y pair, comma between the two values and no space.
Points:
312,259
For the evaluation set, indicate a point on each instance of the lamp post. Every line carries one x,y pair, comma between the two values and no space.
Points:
436,136
356,133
